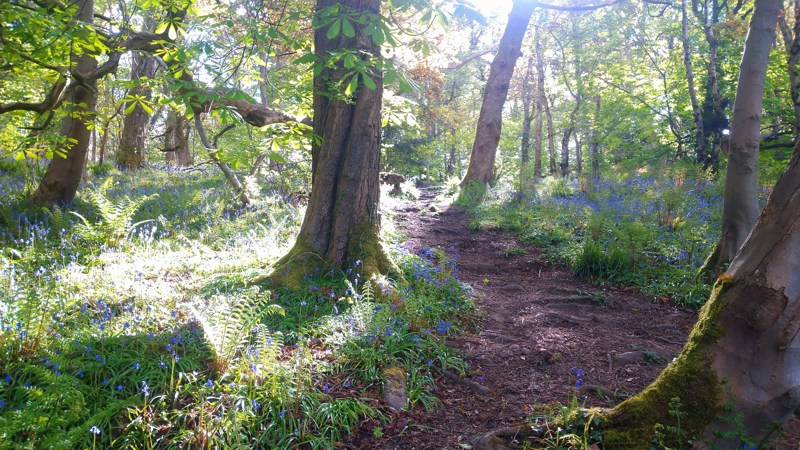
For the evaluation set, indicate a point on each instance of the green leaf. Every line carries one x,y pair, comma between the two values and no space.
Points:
347,28
368,82
129,109
335,28
305,59
389,77
162,27
351,86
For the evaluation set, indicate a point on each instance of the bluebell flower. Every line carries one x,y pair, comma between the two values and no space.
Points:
94,430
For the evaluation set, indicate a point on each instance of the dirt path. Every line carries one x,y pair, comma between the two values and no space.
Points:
540,323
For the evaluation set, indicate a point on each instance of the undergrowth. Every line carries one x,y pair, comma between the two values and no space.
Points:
650,233
118,335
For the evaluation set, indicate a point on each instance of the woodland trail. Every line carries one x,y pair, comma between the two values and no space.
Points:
539,323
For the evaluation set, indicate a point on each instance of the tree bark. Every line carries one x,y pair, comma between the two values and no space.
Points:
740,204
176,139
578,153
132,150
341,222
63,175
490,120
697,114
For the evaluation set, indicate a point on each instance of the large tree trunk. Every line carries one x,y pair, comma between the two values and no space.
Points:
744,349
740,204
341,222
132,149
63,175
490,120
697,114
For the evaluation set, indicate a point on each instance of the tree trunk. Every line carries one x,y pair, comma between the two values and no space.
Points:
63,175
540,100
551,146
341,222
564,164
132,149
791,39
528,95
714,119
740,204
176,139
594,142
697,114
490,120
744,349
578,154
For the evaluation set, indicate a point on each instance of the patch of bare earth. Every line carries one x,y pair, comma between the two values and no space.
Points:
540,323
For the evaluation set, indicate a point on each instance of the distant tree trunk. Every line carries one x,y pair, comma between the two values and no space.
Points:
697,114
551,147
578,154
490,120
714,117
538,104
791,39
132,149
564,164
176,139
95,137
63,175
528,95
341,222
740,204
104,144
594,142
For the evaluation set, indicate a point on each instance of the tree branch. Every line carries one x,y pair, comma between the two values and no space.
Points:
575,8
42,107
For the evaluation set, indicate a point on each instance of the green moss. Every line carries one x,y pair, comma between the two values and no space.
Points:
472,195
691,378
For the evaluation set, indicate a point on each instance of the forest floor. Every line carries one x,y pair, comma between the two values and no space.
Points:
539,326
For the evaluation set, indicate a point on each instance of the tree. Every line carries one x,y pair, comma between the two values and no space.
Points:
791,42
490,121
341,221
63,175
132,149
740,201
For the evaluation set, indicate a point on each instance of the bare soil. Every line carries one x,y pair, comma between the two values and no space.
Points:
540,324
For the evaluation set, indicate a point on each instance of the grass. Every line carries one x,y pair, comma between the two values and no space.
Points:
651,233
141,331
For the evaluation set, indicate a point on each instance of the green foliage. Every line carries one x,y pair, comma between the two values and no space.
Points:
115,225
161,342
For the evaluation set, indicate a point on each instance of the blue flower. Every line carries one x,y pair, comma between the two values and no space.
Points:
94,430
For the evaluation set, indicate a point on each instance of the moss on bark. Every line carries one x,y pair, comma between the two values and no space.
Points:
690,378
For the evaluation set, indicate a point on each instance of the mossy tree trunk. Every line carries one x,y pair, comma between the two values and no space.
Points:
341,223
744,351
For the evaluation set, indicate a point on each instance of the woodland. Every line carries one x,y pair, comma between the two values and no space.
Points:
408,224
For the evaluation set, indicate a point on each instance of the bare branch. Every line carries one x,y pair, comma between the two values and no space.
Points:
576,8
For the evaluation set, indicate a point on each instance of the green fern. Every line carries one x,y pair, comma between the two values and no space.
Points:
115,224
229,329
